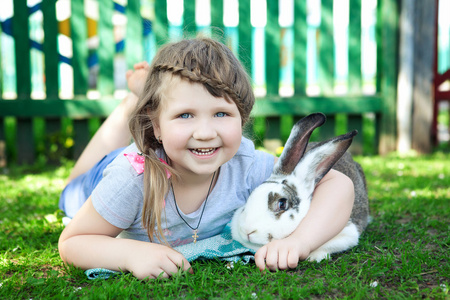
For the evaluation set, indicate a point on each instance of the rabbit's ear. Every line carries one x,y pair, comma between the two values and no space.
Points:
322,157
297,142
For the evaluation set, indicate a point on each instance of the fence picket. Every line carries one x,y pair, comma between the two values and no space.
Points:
106,50
326,48
245,36
189,26
161,23
134,52
354,48
300,41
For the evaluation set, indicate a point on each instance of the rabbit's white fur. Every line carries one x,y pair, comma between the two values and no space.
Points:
261,219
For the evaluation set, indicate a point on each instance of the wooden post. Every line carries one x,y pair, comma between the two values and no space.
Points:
405,76
387,55
423,76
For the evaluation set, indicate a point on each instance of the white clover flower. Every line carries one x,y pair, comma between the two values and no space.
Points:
374,284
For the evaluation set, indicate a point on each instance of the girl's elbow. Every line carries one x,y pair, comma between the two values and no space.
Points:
62,249
348,190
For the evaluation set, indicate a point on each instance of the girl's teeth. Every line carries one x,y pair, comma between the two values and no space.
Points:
203,151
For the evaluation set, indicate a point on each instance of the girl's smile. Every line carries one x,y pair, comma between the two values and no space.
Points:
199,132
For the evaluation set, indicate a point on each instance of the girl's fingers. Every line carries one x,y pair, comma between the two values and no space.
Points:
260,258
272,259
179,261
292,259
283,259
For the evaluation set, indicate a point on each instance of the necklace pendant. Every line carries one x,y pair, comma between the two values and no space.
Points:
195,236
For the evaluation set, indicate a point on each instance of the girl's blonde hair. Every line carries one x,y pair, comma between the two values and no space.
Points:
200,60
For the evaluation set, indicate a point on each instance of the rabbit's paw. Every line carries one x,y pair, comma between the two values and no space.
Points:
318,256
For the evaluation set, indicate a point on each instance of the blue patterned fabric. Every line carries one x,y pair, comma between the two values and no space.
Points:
221,247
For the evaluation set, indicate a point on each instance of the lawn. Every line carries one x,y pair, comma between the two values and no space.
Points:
404,252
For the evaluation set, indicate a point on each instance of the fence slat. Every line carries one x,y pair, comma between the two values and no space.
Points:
78,30
355,122
50,26
300,40
272,45
80,136
22,49
78,26
50,48
133,42
245,36
1,69
161,23
25,141
326,49
106,49
189,27
354,48
327,130
217,20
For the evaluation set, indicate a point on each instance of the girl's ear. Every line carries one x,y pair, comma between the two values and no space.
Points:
156,128
155,124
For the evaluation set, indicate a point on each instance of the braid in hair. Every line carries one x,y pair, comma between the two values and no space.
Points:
200,78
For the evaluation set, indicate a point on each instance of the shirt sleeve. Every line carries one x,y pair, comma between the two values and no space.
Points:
261,169
118,197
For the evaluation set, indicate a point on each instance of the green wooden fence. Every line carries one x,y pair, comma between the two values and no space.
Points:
55,124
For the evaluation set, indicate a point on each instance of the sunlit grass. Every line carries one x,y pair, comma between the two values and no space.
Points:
403,253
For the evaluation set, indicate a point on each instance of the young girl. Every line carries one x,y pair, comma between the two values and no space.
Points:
187,171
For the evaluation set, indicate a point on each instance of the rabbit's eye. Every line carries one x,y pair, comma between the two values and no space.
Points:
282,204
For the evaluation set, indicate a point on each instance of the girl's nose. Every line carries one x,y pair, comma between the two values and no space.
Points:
205,130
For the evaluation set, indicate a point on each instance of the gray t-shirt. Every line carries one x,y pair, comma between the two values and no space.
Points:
119,196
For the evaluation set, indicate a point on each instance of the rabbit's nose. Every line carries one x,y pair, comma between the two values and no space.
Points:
249,234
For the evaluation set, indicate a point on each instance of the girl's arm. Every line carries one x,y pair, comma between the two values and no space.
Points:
89,241
329,213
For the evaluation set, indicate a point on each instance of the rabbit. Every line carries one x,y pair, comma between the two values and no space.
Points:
276,207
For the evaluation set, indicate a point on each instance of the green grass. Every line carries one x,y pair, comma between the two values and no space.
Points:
403,254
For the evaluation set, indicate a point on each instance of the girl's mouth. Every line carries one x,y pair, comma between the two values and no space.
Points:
203,151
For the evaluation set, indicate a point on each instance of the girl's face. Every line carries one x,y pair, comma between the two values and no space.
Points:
199,132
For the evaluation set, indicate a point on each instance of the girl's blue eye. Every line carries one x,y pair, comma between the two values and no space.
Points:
221,114
185,116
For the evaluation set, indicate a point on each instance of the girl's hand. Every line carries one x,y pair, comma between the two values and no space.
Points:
281,254
89,241
151,261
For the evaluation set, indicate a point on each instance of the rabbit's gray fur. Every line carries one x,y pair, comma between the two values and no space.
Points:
349,167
